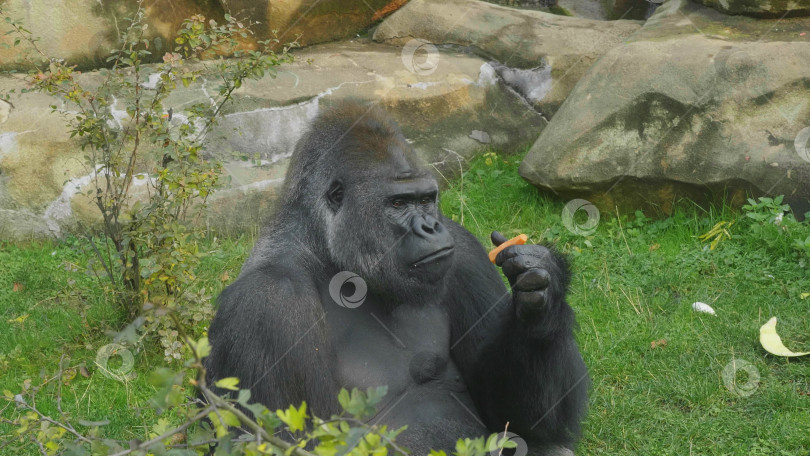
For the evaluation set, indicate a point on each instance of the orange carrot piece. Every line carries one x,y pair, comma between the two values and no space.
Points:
520,239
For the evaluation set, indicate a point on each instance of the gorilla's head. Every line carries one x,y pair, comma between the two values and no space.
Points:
375,205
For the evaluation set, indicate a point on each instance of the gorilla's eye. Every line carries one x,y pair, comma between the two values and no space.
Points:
397,202
335,194
427,200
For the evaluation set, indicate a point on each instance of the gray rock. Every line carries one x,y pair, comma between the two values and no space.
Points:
760,8
562,46
681,115
481,136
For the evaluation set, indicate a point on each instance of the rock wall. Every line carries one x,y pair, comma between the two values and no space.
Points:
84,31
449,112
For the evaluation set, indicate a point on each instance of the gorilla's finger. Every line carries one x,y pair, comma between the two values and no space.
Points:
529,305
532,280
497,238
535,250
513,267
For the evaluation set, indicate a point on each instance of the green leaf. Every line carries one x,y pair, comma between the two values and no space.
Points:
375,395
244,397
201,348
343,398
294,418
229,418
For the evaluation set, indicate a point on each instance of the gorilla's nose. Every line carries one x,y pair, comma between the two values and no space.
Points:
427,226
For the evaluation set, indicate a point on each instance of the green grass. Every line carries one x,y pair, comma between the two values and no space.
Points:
635,280
62,309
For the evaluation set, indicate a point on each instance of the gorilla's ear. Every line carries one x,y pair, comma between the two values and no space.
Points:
334,196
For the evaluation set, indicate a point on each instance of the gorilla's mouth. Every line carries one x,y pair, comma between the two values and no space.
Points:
433,257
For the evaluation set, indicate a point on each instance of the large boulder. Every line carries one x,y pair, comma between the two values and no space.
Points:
680,113
603,10
541,55
84,31
448,112
761,8
315,21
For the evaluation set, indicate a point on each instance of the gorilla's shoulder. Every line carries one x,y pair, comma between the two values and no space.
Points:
265,288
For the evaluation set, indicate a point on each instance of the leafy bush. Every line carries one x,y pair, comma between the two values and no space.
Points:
772,222
150,177
228,425
148,243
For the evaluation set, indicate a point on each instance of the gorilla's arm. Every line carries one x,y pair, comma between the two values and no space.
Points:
523,369
270,332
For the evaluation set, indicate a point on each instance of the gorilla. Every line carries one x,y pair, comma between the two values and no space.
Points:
358,280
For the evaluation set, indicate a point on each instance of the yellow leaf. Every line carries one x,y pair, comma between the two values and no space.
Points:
804,295
228,383
772,343
19,319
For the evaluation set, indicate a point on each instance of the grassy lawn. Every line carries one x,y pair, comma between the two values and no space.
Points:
635,281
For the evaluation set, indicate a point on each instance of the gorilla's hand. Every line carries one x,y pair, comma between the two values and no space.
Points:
530,269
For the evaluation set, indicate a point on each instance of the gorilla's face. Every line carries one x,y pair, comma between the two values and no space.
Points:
388,231
410,208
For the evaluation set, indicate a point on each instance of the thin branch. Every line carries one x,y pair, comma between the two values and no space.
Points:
59,388
41,447
107,268
66,427
167,434
254,427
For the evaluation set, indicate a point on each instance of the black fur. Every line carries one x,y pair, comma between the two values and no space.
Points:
460,354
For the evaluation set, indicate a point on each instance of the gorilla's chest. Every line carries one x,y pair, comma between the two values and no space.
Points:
409,352
406,349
